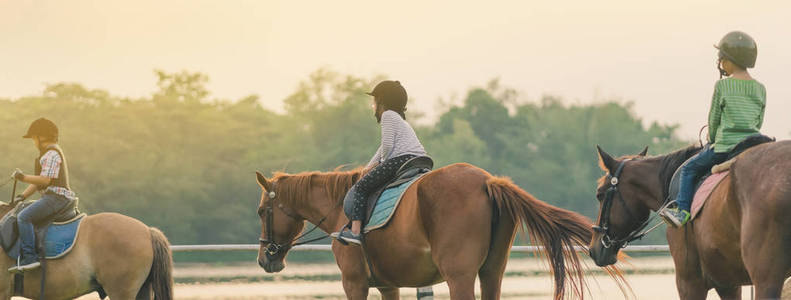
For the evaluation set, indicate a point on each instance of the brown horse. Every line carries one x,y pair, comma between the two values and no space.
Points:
742,236
113,252
453,224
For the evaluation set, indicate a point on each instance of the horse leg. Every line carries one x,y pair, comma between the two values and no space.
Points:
145,292
389,293
491,273
764,245
355,289
458,263
128,284
354,276
6,287
731,292
691,288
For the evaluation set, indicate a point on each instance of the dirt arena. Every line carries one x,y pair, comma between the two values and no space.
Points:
650,278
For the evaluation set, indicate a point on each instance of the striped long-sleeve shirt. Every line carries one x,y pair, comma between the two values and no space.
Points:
398,138
737,111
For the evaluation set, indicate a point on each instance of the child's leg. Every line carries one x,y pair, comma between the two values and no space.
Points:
36,212
374,179
697,166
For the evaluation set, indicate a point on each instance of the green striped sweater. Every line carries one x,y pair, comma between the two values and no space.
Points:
737,111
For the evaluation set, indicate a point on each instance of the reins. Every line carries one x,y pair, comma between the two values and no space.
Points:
603,225
7,182
272,247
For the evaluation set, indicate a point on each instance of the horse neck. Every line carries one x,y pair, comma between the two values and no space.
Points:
650,183
658,172
320,203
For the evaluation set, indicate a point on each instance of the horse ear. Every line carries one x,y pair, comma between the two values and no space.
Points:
606,160
644,152
262,180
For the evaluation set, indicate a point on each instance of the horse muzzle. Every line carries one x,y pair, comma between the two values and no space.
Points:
271,266
601,255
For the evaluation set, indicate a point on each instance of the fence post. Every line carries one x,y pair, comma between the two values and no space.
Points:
425,293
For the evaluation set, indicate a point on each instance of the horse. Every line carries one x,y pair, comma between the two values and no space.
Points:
114,254
742,236
454,223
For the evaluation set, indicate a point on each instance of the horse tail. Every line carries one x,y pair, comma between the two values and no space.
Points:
160,278
557,229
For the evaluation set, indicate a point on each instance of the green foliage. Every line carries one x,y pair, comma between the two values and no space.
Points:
184,162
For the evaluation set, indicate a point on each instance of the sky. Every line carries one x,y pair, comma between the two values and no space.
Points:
656,54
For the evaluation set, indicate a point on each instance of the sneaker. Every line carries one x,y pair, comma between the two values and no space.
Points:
25,265
347,236
675,217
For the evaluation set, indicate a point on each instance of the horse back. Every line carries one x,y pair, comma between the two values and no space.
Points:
762,178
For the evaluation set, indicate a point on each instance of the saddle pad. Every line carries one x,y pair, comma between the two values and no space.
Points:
704,191
59,239
386,205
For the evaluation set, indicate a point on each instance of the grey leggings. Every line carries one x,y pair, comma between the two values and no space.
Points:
373,180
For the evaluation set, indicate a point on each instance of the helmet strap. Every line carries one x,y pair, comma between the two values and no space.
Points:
719,68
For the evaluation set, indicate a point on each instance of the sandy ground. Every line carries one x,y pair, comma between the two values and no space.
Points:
658,284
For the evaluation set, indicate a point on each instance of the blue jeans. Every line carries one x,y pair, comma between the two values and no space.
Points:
40,210
699,165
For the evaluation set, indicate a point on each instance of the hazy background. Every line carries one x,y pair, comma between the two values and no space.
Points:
257,85
656,53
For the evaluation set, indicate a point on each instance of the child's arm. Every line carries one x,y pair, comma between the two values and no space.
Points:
715,115
763,110
389,119
29,191
375,160
36,180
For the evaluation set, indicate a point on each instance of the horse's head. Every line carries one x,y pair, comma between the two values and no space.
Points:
623,195
280,225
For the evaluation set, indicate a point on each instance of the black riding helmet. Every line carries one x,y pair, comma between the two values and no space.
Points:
43,128
739,48
391,96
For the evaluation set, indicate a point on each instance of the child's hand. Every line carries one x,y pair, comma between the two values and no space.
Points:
18,175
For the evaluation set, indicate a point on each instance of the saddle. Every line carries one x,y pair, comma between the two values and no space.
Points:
412,168
747,143
9,231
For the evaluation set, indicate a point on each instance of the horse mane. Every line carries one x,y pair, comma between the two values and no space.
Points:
669,163
293,189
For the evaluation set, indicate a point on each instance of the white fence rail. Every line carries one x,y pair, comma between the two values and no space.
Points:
425,293
254,247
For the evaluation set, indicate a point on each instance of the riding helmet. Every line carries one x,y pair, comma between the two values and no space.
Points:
739,48
391,95
42,127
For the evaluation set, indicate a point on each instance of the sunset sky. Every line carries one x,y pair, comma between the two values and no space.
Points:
658,54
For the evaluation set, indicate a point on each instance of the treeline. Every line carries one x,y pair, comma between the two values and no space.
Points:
184,162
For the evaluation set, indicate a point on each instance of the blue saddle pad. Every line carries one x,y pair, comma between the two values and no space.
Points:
387,204
59,240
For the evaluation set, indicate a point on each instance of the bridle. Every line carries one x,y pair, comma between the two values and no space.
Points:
603,227
272,247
